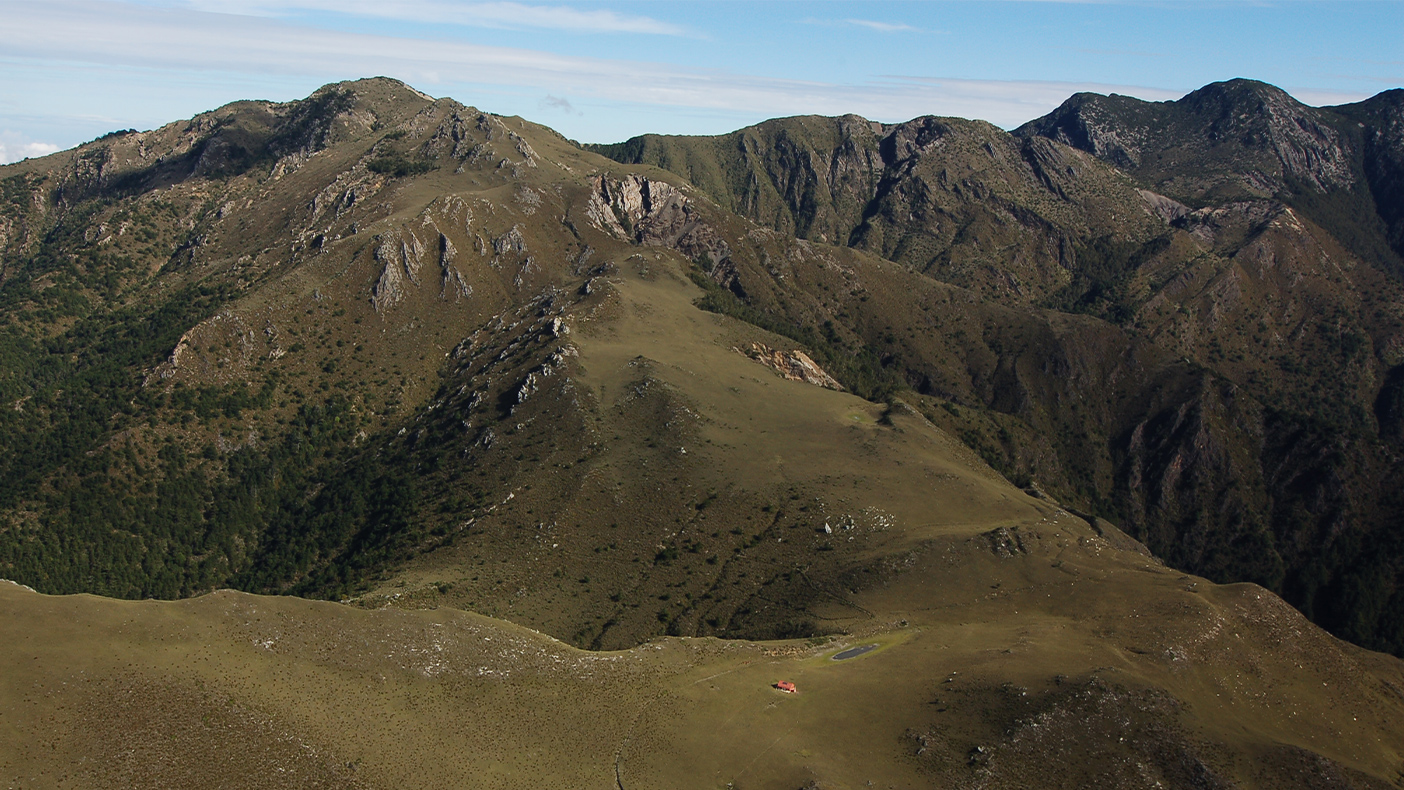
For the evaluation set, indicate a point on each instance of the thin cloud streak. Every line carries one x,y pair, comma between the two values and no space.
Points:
128,35
1325,98
440,12
1116,52
882,27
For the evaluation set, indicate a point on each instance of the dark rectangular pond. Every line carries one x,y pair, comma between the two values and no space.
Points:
854,652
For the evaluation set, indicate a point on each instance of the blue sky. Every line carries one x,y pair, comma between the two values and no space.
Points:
603,71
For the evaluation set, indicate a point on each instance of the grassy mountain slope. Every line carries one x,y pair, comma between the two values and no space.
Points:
1037,655
403,354
393,370
1267,272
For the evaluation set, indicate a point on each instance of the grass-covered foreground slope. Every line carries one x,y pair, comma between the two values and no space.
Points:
1039,655
655,479
1017,645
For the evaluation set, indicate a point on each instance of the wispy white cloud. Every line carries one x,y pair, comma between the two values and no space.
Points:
1325,98
116,33
1009,103
13,148
882,27
447,12
182,41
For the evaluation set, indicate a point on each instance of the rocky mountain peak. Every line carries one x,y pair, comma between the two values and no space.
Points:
1247,139
1384,110
1257,115
1237,91
1097,124
373,88
243,136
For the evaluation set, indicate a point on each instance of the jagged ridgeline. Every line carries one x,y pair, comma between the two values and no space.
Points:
1237,401
334,347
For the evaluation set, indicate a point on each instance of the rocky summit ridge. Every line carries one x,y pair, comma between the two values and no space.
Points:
587,448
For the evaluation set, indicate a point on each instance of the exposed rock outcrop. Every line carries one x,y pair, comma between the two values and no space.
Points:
793,365
655,213
401,253
451,280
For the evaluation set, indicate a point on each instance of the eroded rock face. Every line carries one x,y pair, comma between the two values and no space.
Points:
402,252
1163,207
401,255
510,243
654,213
451,281
793,365
1381,123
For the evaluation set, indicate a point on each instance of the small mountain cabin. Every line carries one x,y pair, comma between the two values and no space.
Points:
786,686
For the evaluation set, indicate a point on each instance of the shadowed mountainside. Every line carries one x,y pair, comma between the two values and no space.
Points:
1245,237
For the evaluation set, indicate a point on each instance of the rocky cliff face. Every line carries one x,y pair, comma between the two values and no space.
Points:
1381,124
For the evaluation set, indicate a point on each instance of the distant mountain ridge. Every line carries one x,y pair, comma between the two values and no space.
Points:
1251,236
1244,140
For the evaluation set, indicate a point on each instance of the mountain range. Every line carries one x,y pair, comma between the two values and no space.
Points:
586,447
1242,251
